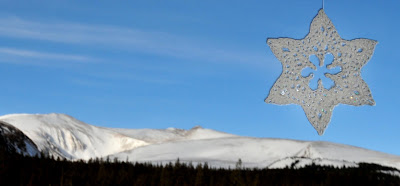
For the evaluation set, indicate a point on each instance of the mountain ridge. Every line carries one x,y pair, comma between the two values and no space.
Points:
65,136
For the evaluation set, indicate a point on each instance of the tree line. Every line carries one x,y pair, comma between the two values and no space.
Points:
16,169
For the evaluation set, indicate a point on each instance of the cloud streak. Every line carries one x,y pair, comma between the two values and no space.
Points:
106,36
43,55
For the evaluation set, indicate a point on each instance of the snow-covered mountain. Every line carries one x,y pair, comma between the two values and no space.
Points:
62,135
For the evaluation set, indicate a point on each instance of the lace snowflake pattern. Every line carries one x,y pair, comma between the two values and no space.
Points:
343,71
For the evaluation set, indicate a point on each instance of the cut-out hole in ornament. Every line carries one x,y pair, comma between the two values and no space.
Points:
359,50
321,70
285,49
322,29
315,48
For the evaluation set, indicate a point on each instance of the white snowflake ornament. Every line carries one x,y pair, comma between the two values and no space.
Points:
321,71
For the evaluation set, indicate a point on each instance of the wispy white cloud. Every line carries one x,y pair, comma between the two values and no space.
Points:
106,36
43,55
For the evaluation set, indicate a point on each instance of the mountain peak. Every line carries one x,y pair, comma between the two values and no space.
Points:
197,127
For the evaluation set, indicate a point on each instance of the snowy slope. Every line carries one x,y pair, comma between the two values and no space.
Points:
67,137
64,136
258,152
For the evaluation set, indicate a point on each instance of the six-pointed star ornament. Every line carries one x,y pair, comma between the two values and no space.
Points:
349,56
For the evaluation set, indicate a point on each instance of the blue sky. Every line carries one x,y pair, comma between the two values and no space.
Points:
159,64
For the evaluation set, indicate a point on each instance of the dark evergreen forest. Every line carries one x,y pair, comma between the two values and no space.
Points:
16,169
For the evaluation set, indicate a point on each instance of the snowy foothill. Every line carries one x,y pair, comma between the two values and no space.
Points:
64,136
